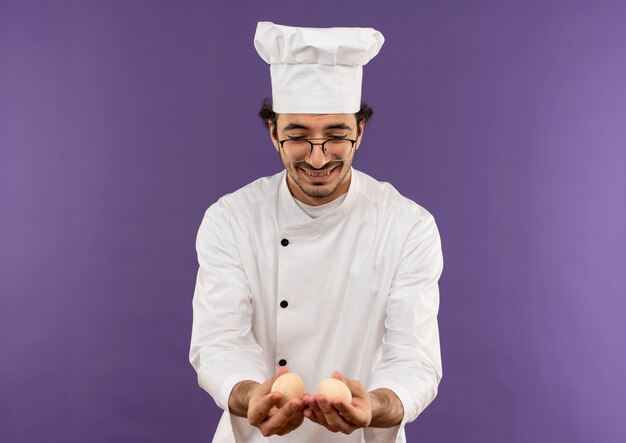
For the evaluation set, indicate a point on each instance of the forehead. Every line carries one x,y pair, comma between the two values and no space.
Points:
315,121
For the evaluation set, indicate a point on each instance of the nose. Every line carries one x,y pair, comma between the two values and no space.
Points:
317,159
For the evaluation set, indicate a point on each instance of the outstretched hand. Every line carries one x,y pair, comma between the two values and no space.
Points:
337,415
265,414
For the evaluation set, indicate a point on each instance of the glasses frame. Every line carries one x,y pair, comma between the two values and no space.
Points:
311,145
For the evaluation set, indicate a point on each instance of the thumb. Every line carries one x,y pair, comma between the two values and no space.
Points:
356,387
340,377
280,372
266,386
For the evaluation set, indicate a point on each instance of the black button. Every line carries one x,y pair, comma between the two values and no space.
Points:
284,304
284,242
282,362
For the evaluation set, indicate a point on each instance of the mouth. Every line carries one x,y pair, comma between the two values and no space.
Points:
320,176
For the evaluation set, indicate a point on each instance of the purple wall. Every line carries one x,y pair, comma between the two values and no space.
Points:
122,121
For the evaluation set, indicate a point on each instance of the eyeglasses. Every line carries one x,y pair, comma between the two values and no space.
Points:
300,149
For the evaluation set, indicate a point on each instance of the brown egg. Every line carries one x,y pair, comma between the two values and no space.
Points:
290,385
332,388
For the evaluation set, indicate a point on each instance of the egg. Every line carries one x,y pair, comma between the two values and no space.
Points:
332,388
290,385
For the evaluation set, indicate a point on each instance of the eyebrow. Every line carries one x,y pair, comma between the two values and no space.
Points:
292,126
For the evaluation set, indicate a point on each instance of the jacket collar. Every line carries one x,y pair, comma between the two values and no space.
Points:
293,217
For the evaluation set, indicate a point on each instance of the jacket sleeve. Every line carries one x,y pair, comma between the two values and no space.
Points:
410,364
223,350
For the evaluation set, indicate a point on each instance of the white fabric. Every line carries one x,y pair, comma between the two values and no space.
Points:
316,70
361,283
319,210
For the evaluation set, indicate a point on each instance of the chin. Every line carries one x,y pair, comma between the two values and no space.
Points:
318,193
317,190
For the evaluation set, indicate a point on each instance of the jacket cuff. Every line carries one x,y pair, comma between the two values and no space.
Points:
229,383
395,433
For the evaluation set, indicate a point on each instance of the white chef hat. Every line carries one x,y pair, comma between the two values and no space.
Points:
316,70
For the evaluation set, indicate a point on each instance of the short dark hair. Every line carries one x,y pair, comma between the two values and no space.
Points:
268,115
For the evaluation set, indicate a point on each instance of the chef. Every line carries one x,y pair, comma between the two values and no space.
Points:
319,270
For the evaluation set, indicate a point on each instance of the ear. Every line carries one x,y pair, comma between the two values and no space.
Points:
358,140
274,139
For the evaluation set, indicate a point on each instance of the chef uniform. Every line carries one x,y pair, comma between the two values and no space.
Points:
352,288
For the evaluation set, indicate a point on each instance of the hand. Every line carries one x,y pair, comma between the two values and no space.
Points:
264,413
336,415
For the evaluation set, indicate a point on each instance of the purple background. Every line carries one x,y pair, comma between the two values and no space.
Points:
122,121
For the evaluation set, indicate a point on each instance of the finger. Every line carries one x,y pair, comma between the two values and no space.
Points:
353,385
279,420
261,408
294,423
308,413
305,402
318,415
266,386
309,403
265,389
326,407
268,383
334,421
350,414
356,388
338,376
272,411
281,371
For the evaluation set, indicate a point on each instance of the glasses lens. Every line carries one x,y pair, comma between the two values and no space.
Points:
338,149
299,150
296,150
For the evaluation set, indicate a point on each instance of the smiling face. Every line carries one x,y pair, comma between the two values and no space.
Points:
317,180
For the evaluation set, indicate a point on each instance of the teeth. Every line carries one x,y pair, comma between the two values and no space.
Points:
317,174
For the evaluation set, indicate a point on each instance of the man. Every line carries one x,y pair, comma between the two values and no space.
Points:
320,267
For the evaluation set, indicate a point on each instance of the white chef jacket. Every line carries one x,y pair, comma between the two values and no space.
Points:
362,298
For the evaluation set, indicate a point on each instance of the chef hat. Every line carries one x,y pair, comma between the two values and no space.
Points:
316,70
